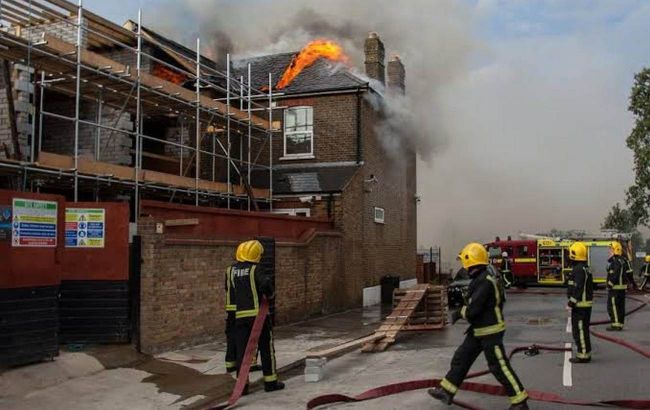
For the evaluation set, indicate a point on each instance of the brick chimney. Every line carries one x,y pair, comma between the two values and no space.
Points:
396,75
375,57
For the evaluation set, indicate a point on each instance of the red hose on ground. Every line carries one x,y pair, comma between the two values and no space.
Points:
494,389
251,349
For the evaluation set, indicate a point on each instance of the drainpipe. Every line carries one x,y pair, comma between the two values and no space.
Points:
359,142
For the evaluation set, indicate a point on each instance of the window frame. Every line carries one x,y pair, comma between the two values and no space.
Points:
379,220
286,133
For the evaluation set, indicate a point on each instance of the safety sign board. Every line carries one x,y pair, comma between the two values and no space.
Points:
33,223
85,227
5,222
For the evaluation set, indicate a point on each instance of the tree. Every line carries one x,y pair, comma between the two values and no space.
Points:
623,220
638,195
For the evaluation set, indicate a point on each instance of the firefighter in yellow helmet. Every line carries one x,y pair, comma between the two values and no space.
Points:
483,310
231,309
618,272
580,291
646,272
250,285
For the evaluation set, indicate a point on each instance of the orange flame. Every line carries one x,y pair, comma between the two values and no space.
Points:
309,55
170,75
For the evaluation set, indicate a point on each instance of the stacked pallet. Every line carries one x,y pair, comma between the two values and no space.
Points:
431,312
421,307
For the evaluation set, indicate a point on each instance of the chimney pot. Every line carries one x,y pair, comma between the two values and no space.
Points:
375,58
396,75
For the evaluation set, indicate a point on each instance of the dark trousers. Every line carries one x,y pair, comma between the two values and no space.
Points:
265,346
580,322
616,307
231,342
492,348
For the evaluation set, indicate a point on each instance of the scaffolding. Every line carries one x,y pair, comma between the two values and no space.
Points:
97,67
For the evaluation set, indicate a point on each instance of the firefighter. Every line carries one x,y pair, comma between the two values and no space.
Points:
506,271
231,308
580,291
483,310
250,285
646,272
618,272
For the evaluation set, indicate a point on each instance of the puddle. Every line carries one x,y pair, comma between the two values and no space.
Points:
169,377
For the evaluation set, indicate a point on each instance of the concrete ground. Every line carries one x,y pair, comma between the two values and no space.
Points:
117,378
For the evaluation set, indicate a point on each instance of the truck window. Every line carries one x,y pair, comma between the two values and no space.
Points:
522,250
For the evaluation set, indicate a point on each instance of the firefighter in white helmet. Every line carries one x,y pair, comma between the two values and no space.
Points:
483,310
506,270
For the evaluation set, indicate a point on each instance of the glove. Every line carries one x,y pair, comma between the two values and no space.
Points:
571,305
455,316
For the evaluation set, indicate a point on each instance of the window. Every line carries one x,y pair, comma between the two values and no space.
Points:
379,215
299,132
522,250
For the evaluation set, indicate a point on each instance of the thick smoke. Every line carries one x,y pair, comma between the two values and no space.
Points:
525,133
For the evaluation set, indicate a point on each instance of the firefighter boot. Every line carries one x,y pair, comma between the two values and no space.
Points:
520,406
273,386
441,394
577,360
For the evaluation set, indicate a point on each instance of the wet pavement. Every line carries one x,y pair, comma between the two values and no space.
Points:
116,377
615,373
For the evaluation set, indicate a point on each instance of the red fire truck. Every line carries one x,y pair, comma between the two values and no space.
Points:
545,261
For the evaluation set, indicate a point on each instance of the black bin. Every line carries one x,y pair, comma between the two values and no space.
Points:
388,284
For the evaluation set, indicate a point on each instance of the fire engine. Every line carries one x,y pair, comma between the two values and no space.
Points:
543,260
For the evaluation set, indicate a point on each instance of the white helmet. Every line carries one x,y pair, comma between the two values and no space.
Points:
504,254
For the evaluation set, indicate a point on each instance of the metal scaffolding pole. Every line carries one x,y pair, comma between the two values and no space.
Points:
138,122
270,142
250,119
228,125
77,102
181,138
198,120
98,134
40,113
241,136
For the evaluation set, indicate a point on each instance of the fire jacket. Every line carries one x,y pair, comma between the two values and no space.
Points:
483,308
580,287
249,283
505,265
618,272
230,291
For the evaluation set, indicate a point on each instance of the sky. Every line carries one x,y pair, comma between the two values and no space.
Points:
521,105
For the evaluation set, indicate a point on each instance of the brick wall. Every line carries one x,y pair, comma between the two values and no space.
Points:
182,294
335,129
58,134
23,96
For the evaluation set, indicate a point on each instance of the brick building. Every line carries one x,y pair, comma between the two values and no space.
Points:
331,163
349,203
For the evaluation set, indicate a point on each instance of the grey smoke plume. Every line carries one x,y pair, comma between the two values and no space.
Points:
524,133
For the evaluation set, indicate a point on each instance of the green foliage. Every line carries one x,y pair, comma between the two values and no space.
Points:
623,220
638,195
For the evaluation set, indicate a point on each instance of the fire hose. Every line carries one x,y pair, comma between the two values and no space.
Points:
251,349
495,390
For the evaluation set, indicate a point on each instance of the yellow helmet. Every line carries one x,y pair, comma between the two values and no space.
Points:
578,252
473,254
647,258
250,251
617,248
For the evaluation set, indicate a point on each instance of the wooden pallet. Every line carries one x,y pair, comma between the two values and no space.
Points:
421,307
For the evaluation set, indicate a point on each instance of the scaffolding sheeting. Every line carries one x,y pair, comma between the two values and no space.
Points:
36,33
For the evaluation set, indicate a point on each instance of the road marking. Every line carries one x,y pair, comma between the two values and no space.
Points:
568,325
566,373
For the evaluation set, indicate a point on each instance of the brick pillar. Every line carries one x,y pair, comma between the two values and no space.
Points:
396,75
375,57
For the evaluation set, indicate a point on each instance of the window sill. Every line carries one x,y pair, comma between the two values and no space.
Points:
294,157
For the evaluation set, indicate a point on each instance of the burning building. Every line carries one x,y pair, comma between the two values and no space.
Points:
331,163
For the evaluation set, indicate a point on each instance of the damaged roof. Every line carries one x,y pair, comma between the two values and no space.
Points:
320,77
312,179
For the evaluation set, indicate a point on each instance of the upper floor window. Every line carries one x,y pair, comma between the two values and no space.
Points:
299,132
